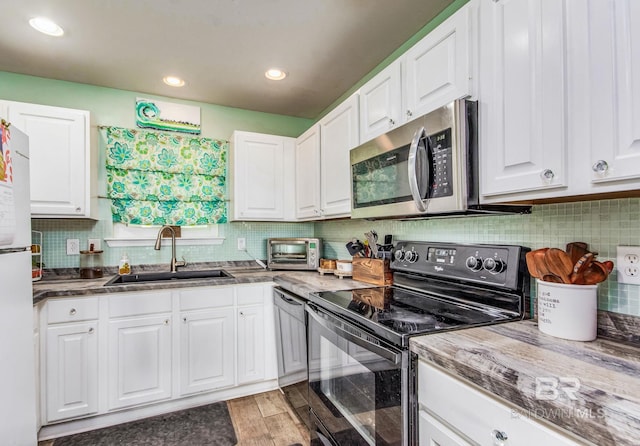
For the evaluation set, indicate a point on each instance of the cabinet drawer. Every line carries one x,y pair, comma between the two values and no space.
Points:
250,295
477,415
72,309
206,298
132,304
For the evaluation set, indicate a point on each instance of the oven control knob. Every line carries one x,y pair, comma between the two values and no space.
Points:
474,263
411,256
399,255
494,266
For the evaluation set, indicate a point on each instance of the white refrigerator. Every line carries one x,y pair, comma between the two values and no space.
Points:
17,374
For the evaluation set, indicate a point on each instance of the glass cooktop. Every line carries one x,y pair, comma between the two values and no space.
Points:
397,313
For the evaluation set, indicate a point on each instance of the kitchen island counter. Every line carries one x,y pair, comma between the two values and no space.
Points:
298,282
510,360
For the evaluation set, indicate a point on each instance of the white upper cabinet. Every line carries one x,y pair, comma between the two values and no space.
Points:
522,94
381,103
559,90
439,68
261,168
605,91
59,159
308,174
338,135
323,167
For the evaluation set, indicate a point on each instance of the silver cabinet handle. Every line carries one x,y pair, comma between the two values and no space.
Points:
547,175
90,330
241,313
166,322
600,167
499,437
391,121
184,319
78,209
73,311
409,113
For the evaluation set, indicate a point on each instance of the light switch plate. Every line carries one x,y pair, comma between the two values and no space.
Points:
628,264
242,244
73,247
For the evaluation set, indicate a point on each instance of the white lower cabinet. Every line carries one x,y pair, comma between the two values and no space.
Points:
453,412
136,352
71,370
251,344
69,364
207,339
139,363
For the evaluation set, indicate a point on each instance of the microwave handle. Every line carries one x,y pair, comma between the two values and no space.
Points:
413,174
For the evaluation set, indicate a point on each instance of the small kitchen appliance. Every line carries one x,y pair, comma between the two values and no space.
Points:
294,253
427,167
362,376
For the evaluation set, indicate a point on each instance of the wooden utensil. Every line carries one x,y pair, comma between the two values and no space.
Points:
583,263
535,262
596,272
559,264
552,278
608,264
575,250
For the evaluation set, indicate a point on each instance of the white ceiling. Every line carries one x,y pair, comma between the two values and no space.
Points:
220,47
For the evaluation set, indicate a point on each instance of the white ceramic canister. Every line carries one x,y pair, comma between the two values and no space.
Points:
568,311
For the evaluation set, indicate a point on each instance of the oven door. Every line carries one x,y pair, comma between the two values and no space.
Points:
358,385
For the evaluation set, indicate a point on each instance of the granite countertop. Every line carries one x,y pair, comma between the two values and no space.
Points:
506,359
298,282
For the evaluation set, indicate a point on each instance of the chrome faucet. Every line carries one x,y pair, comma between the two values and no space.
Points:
174,263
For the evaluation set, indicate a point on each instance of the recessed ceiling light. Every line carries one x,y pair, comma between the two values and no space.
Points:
46,26
173,81
275,74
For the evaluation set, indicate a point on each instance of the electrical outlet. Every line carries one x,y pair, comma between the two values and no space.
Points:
242,244
95,242
73,247
628,264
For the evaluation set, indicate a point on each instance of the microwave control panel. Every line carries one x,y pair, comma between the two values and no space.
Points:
442,171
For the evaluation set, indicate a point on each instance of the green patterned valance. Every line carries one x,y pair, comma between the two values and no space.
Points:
157,178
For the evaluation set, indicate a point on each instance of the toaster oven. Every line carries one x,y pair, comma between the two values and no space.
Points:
294,253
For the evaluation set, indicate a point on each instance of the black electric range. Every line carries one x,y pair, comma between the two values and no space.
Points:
361,372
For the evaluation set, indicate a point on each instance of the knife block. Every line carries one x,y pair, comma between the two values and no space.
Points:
374,271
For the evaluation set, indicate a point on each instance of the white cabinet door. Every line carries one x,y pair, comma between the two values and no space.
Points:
522,94
139,360
260,182
251,344
308,174
71,370
207,350
59,158
605,83
338,135
437,70
432,432
381,103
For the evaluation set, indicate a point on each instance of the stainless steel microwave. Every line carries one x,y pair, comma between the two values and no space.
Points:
427,167
294,253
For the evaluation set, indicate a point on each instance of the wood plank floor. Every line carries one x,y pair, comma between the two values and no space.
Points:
265,419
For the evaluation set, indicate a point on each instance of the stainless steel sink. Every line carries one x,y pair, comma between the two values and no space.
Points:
169,276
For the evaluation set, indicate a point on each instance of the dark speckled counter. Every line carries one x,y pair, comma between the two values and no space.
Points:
506,359
298,282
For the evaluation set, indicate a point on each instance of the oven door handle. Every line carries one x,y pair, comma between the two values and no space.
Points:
387,354
421,204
